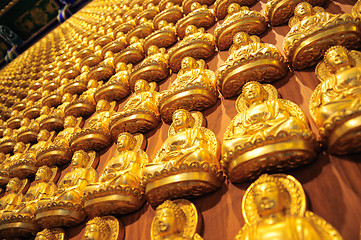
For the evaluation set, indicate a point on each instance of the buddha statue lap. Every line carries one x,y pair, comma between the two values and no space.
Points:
95,134
196,44
313,31
267,134
107,227
335,104
247,54
176,220
194,89
64,207
190,154
239,19
119,190
275,205
20,221
59,152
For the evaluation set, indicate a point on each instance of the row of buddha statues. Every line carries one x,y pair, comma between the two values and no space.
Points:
59,103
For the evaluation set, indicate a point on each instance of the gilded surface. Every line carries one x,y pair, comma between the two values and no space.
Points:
107,227
51,234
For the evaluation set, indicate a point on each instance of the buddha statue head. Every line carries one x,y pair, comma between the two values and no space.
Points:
103,105
233,8
80,159
43,135
169,5
141,86
337,58
153,50
92,84
126,141
169,219
241,39
189,63
44,110
46,234
43,174
121,66
182,119
25,122
191,29
8,132
66,97
195,6
254,92
70,121
14,185
19,147
97,229
303,10
269,196
133,40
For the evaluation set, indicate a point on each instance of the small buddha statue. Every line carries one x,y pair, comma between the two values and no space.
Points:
239,19
311,23
188,144
245,53
165,36
264,120
133,54
69,193
336,100
107,227
95,133
192,75
153,68
198,44
123,171
175,220
200,16
221,6
51,234
140,113
8,141
144,28
171,14
13,195
4,169
274,205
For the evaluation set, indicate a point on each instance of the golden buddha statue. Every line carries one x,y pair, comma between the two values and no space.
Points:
275,205
267,133
140,113
335,103
313,31
20,221
247,54
133,54
13,195
76,85
15,119
128,25
51,234
170,13
200,16
176,220
119,190
149,13
117,87
8,141
165,36
32,109
221,6
95,134
4,169
107,227
239,19
194,88
187,4
196,44
64,207
153,68
85,105
143,29
26,165
189,146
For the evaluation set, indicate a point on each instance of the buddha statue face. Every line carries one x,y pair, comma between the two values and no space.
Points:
66,97
97,229
69,121
303,9
92,84
153,50
233,8
133,39
43,174
44,110
241,39
25,122
337,58
182,119
121,66
141,85
195,5
162,24
267,198
169,5
8,132
103,105
43,135
125,142
189,63
254,92
167,222
13,185
191,29
19,147
79,159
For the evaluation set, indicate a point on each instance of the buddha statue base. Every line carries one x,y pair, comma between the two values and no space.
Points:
141,31
200,18
221,6
241,71
196,49
129,55
23,169
18,226
19,106
193,98
111,92
60,214
54,155
185,180
309,49
90,139
52,123
171,15
51,86
7,146
70,74
13,123
28,136
114,47
125,27
80,109
35,96
53,100
160,38
279,12
100,73
274,154
342,135
150,72
133,121
75,87
32,112
115,200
